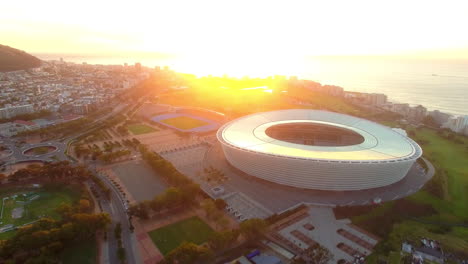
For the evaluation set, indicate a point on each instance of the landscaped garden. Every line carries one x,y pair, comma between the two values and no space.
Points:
139,129
184,122
171,236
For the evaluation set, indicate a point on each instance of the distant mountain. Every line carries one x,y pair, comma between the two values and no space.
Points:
14,60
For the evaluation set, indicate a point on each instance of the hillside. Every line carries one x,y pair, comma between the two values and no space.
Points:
13,59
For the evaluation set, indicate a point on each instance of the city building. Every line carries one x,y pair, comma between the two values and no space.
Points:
457,124
417,113
12,111
439,117
319,150
377,99
401,109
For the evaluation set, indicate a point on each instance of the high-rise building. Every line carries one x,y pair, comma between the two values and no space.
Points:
138,66
457,124
377,99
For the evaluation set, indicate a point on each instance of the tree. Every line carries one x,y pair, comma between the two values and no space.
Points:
139,210
317,255
121,254
84,205
222,240
210,208
189,253
430,121
220,204
253,228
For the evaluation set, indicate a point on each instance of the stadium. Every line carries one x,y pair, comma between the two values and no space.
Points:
182,119
318,150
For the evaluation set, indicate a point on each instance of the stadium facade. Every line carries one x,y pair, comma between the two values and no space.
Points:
318,150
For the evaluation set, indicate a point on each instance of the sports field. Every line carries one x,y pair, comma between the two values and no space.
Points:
26,206
192,229
138,129
184,122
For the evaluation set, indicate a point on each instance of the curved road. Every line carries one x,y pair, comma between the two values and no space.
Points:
115,206
279,198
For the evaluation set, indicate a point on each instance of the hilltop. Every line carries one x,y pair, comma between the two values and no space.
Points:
12,59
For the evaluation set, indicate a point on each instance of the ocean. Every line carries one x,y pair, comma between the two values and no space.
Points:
434,83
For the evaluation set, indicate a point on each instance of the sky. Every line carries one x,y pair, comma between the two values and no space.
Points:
253,28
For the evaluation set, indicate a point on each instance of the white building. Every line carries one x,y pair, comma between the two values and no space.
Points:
319,150
457,124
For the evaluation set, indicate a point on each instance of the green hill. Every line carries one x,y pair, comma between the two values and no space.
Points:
14,60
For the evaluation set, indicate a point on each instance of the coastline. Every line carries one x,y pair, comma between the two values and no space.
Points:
443,89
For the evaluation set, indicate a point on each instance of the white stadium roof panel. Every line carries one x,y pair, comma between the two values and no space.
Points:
380,142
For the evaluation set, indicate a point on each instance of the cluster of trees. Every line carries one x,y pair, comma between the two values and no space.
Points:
108,155
122,130
134,143
51,171
113,121
172,199
44,240
97,136
214,174
165,169
109,145
59,130
106,190
315,255
31,116
189,253
214,211
112,156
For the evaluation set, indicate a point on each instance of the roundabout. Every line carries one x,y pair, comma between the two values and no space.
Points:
40,150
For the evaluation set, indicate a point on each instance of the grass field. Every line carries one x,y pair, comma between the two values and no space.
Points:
184,122
451,158
138,129
84,253
43,206
189,230
394,257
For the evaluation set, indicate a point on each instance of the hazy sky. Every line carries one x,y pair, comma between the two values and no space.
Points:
436,28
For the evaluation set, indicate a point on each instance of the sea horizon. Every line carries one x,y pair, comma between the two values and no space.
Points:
437,84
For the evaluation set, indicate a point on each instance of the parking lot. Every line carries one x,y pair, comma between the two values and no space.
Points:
139,180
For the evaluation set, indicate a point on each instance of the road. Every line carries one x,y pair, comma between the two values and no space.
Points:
279,198
114,207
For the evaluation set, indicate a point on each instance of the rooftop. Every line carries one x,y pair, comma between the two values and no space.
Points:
380,143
